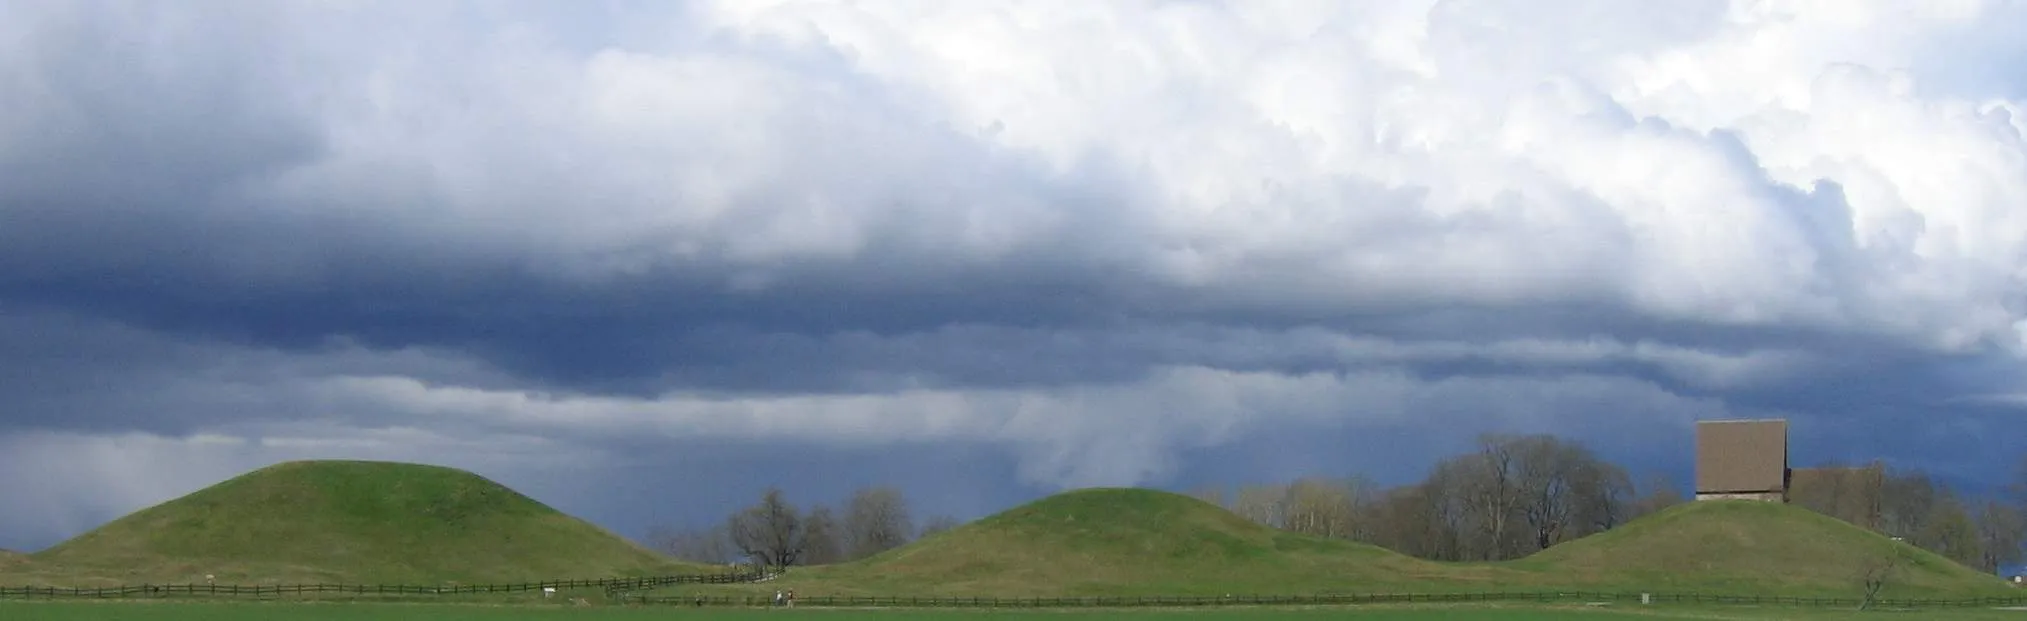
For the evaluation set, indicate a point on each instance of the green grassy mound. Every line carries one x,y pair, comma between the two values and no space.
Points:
1754,547
1112,541
1146,542
10,558
345,521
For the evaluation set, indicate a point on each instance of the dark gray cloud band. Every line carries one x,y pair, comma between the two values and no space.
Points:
377,229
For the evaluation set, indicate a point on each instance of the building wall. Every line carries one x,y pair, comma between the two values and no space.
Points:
1742,459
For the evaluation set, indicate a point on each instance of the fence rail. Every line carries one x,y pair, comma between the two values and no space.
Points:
623,590
610,585
1321,600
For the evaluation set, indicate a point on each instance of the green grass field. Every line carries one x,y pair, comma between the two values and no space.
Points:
342,522
1109,542
376,612
385,523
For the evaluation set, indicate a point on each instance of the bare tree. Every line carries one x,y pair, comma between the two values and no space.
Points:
1907,501
2016,492
1879,572
937,524
1604,497
1512,496
704,545
1487,483
1262,504
1949,531
1820,489
1317,506
1930,516
1554,490
1545,474
1364,495
876,521
1660,492
1494,495
1868,487
770,532
1851,494
2001,528
1416,521
820,538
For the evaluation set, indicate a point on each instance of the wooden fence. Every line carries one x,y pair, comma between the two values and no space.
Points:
623,590
610,585
1320,600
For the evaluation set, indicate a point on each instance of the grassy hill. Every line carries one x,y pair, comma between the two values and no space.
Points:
1146,542
1111,541
1749,547
344,521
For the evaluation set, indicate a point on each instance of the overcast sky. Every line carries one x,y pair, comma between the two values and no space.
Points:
643,259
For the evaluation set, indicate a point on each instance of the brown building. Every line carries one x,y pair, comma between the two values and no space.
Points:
1852,494
1742,459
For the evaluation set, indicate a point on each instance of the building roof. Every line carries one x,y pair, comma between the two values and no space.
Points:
1741,456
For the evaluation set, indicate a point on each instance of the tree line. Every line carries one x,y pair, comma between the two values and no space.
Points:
1513,495
775,533
1982,531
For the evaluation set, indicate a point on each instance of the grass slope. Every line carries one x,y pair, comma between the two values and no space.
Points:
68,611
1146,542
344,521
1754,547
1112,541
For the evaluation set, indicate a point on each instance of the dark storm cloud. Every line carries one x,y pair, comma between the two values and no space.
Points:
142,218
129,200
863,244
